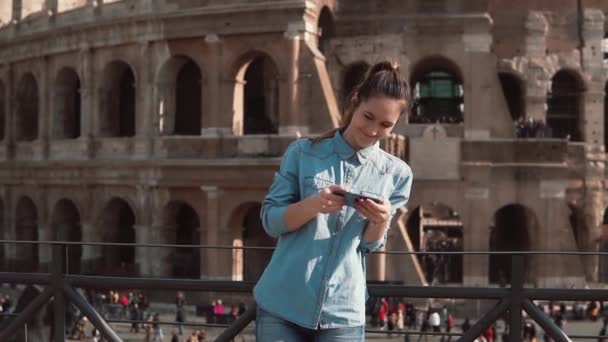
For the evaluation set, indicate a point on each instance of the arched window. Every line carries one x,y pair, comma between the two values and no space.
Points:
325,29
66,226
27,109
438,92
67,105
435,227
183,218
513,92
180,101
118,101
2,111
256,97
117,224
353,75
564,105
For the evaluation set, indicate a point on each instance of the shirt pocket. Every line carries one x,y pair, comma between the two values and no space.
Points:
314,184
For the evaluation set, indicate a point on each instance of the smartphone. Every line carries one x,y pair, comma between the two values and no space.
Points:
350,198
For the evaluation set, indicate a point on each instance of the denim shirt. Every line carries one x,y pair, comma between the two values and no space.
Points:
316,277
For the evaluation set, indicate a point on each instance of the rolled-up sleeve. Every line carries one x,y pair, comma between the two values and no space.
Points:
284,191
399,198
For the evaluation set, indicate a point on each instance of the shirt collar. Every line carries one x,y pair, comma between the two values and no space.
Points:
345,151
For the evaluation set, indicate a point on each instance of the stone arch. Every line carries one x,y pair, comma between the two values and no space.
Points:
117,100
353,75
66,226
26,228
181,218
513,89
67,115
512,229
2,110
325,29
256,95
247,231
606,117
180,97
116,223
565,105
438,90
437,227
27,108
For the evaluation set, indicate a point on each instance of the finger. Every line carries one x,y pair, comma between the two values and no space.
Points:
335,187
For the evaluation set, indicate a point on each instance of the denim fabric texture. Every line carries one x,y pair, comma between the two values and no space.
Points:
269,328
316,277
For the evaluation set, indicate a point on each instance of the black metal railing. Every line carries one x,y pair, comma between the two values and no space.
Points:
513,299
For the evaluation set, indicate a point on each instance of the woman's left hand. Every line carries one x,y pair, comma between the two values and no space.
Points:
375,213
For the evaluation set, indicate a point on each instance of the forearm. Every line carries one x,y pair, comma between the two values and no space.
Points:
374,231
297,214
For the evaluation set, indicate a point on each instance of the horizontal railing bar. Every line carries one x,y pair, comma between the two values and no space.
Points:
160,283
25,278
409,332
566,294
186,324
122,244
377,290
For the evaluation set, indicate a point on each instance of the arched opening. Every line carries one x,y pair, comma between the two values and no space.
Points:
437,228
2,111
564,105
6,12
325,30
188,100
27,109
186,260
249,264
117,222
118,101
438,92
67,105
511,231
353,75
257,97
606,117
180,97
65,224
513,92
26,226
605,47
603,248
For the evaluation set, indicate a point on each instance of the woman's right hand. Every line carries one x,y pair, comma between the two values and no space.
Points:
328,202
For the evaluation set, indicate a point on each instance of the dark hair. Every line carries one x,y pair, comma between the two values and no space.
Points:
382,79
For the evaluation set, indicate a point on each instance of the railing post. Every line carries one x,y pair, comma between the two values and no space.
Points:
517,284
59,302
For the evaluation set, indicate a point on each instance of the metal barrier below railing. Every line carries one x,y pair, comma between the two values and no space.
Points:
62,288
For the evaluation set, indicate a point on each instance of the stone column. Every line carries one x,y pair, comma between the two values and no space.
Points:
17,5
290,120
592,122
535,47
92,259
536,35
45,233
476,221
214,122
87,100
144,132
211,265
44,108
556,235
143,261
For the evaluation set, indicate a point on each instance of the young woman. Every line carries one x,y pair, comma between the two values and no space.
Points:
314,287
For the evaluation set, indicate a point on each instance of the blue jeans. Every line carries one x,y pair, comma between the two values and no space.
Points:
269,328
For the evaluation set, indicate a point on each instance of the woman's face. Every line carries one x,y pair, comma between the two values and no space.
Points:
373,119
